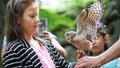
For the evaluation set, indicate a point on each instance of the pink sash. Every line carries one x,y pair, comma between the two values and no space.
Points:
44,57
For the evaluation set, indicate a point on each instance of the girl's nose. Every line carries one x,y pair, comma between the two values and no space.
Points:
36,20
93,42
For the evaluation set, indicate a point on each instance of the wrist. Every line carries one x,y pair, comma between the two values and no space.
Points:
100,61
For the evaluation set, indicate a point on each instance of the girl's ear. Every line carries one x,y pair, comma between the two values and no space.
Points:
107,37
19,20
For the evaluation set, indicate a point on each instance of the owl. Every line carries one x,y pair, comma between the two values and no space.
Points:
86,26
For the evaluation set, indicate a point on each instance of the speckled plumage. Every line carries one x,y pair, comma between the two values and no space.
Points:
86,26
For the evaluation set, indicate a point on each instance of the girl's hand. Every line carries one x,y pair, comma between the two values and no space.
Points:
80,54
45,35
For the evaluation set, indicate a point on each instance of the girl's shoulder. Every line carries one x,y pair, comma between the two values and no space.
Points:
17,45
46,43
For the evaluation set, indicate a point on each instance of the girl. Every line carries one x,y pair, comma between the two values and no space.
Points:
24,49
100,45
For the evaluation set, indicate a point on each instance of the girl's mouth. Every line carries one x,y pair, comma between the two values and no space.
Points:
94,47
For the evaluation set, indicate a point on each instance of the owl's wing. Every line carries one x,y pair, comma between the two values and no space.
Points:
86,21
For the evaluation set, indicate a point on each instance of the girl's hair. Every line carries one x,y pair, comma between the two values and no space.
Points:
15,10
103,30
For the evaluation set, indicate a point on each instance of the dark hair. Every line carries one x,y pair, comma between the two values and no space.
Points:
14,10
103,30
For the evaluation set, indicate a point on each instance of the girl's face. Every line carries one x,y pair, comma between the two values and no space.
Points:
29,20
98,44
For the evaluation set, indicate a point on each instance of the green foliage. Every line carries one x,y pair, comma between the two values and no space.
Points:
82,3
112,19
71,56
2,22
57,24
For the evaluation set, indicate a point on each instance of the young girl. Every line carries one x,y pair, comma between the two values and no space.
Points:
100,45
23,49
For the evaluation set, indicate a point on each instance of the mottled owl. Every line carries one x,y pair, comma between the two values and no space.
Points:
86,26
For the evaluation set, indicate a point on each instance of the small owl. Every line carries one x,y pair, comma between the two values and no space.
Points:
86,26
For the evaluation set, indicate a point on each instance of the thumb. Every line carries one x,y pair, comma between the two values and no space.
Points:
80,53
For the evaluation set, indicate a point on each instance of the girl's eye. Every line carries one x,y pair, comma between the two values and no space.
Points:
32,16
96,37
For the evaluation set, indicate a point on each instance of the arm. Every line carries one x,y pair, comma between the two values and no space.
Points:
50,37
59,61
112,53
60,49
93,62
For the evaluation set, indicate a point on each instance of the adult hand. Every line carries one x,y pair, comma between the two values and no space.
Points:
88,62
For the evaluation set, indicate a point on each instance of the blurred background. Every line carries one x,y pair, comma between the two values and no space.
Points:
61,15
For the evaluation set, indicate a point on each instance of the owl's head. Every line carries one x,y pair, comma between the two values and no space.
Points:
70,35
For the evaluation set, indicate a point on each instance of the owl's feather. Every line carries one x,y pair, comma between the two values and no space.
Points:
86,25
